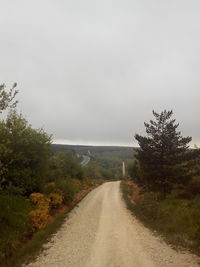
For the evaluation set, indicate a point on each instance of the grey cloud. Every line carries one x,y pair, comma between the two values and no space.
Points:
92,71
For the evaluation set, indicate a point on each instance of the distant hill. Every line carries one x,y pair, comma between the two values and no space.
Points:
81,149
105,157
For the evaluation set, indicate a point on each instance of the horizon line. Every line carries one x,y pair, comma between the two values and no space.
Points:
106,144
82,143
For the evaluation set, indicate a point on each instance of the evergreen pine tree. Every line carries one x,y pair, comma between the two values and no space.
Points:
162,151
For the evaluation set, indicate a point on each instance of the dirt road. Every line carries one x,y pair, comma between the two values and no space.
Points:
101,232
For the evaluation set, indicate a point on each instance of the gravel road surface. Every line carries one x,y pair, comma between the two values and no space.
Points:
101,232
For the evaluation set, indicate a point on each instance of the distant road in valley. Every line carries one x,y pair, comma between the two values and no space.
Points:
85,161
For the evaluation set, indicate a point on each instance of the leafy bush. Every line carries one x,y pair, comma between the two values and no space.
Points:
56,200
64,165
69,187
49,188
147,208
24,154
14,212
193,187
39,217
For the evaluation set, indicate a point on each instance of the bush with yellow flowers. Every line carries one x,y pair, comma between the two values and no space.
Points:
36,198
39,217
56,200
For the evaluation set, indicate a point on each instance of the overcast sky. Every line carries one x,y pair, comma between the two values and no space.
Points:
90,72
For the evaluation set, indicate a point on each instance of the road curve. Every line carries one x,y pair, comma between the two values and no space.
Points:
101,232
85,161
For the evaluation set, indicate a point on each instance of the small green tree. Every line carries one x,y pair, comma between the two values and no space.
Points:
92,170
64,165
24,155
162,151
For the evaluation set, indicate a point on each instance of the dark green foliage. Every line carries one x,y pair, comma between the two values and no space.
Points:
14,212
95,170
107,174
168,173
35,246
193,165
69,188
24,155
64,165
193,187
92,169
135,171
162,152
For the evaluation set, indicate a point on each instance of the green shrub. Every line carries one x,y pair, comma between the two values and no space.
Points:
49,188
14,212
147,208
193,187
64,165
24,154
69,188
56,200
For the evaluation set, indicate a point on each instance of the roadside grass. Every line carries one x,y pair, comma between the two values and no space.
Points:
35,245
176,220
14,212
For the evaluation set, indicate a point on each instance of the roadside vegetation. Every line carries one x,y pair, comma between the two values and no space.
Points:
36,183
164,186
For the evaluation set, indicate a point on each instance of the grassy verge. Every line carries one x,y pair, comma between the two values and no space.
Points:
177,220
35,245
